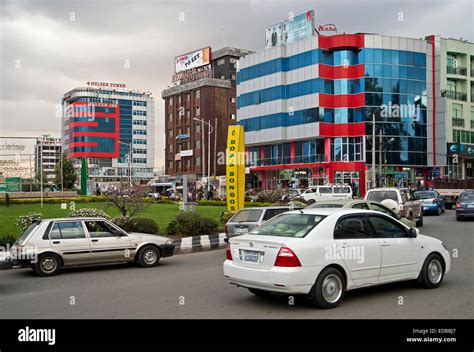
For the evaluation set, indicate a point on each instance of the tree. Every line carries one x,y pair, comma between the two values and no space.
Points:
128,200
69,174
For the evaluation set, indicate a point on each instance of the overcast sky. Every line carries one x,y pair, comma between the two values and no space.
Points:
51,46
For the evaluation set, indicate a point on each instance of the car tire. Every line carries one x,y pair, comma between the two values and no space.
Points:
419,222
148,256
432,272
259,293
311,201
329,289
439,211
459,218
48,264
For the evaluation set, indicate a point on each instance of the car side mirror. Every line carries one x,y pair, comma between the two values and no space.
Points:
398,216
414,232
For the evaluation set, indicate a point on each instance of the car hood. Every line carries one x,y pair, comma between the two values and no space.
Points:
145,237
428,239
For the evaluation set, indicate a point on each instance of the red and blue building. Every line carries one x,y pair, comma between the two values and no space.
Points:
307,110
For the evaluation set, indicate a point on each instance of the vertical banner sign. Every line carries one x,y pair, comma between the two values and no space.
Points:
235,170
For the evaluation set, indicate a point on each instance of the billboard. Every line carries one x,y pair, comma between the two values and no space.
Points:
291,30
192,60
235,169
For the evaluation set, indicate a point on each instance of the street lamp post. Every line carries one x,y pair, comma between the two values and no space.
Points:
41,165
129,145
210,130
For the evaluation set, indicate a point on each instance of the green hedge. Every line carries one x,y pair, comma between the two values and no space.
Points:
80,199
223,203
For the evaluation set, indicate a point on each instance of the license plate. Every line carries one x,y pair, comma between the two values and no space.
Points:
244,230
470,205
251,257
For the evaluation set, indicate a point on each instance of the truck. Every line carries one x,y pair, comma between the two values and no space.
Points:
450,189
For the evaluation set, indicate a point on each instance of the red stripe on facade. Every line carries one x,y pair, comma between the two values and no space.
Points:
83,144
83,124
334,165
341,100
92,155
94,134
337,72
339,41
341,129
433,83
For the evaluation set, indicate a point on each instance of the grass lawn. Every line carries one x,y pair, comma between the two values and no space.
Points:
162,214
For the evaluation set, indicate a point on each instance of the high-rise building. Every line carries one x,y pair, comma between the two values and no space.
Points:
204,89
113,127
456,75
47,155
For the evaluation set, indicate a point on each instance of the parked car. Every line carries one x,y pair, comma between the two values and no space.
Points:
52,244
431,201
465,206
247,219
362,204
322,253
313,194
407,205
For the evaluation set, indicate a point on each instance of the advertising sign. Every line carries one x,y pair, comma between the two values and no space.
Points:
186,153
235,170
291,30
192,60
461,149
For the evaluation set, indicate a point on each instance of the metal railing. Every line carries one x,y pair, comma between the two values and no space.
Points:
457,122
304,159
457,70
456,95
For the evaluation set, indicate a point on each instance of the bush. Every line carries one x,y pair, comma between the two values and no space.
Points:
24,221
192,224
143,225
172,228
7,200
212,202
225,216
271,195
7,240
89,213
123,222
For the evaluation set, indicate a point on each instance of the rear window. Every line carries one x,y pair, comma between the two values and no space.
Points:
289,225
425,195
379,196
466,197
247,215
326,205
342,190
29,230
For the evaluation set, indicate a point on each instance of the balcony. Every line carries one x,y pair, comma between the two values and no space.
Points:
450,94
457,122
306,159
472,70
472,124
457,70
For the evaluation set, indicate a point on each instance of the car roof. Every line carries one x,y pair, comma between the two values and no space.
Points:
385,189
269,207
75,218
330,211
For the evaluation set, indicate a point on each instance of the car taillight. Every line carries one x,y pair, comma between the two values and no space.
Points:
227,252
287,258
458,205
434,201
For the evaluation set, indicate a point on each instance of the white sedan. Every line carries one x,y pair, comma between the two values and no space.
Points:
324,252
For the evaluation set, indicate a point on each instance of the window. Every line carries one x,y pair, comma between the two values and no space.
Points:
270,213
382,209
198,128
232,116
67,231
198,144
170,116
170,101
232,76
360,206
198,161
378,196
247,215
198,111
385,228
288,225
220,62
351,227
99,229
325,190
232,100
198,94
188,97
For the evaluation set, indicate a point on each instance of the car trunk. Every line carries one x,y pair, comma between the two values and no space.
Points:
239,228
258,252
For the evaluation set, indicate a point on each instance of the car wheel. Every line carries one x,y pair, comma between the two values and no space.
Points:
149,256
311,201
458,218
47,264
419,222
432,272
439,211
329,289
259,293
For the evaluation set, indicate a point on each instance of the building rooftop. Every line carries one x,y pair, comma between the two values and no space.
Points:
229,51
214,82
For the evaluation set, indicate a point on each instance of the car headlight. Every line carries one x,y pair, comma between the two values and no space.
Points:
169,242
444,246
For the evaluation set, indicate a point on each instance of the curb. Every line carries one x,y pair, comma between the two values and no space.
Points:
199,243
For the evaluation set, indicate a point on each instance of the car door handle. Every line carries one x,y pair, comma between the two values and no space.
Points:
56,242
385,244
344,245
94,240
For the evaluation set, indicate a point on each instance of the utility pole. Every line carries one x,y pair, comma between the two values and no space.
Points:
380,157
215,149
373,151
209,159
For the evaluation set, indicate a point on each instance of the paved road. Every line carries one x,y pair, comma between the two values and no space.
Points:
126,291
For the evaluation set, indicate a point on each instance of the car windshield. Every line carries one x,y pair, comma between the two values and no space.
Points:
326,205
466,197
247,215
379,196
289,225
425,195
